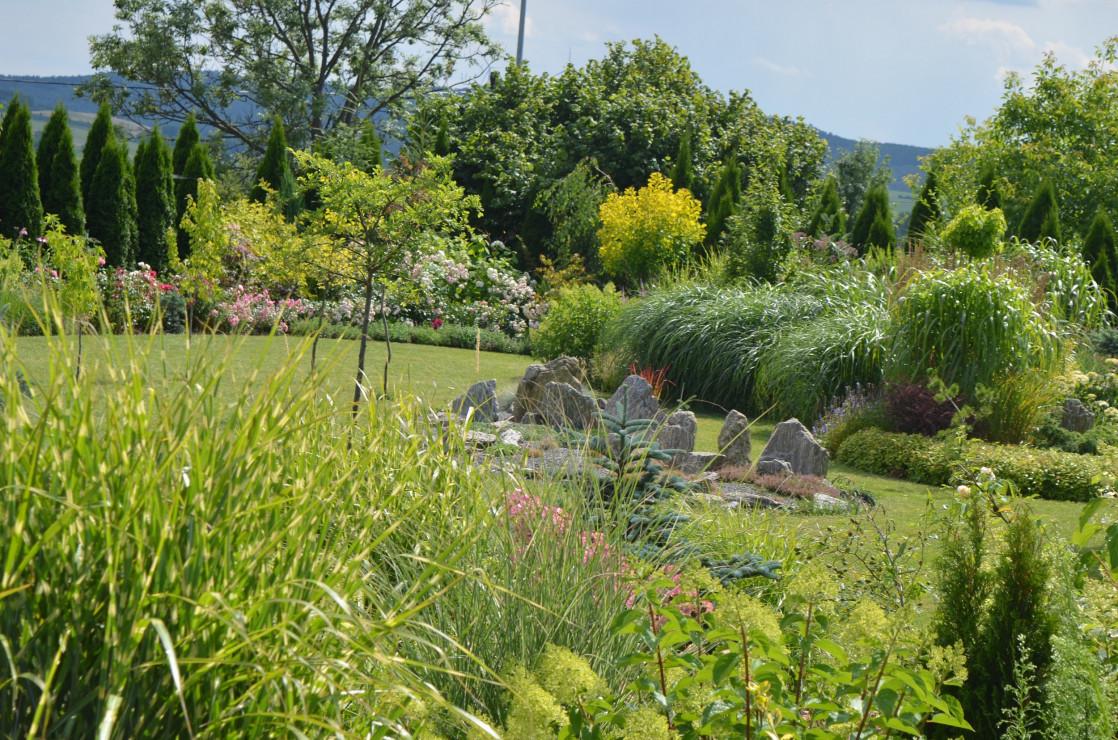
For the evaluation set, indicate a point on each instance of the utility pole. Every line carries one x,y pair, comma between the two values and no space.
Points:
520,38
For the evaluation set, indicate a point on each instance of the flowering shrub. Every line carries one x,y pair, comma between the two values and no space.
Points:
131,297
257,312
824,250
860,408
1098,391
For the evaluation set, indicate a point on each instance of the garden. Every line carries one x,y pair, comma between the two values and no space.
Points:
238,499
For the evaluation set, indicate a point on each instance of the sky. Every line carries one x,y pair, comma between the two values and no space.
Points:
900,71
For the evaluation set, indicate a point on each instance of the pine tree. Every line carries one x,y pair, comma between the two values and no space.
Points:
155,201
925,212
876,202
198,166
109,209
48,145
723,201
99,134
276,172
1042,217
64,195
20,206
988,195
829,217
1100,252
683,174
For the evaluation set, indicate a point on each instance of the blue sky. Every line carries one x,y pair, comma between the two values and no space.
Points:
903,71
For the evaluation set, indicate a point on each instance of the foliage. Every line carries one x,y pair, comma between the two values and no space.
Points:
1069,297
875,207
1100,252
49,140
723,201
155,203
1047,128
1041,220
274,173
682,173
926,211
912,408
337,67
572,204
21,210
860,407
131,300
76,263
111,204
257,313
99,134
988,196
970,328
859,171
63,197
828,218
447,335
575,321
758,236
198,167
975,232
647,231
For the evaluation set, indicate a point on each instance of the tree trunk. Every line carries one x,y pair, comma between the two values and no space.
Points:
387,341
364,343
318,333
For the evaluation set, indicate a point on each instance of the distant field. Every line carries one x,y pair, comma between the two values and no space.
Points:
81,123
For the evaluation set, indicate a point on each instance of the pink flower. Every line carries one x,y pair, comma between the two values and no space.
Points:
101,261
436,323
54,273
23,232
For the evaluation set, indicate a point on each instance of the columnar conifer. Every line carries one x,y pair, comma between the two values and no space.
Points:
1100,252
9,114
99,134
875,204
185,142
109,208
48,145
723,201
829,217
63,196
1041,219
989,196
198,166
276,172
925,212
683,173
155,201
20,206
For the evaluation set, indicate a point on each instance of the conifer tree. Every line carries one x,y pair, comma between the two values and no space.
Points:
185,142
371,148
48,145
829,217
442,138
881,234
109,209
683,173
20,206
875,203
63,197
155,201
784,186
276,172
99,134
1042,217
988,195
1100,252
925,211
723,201
9,114
198,166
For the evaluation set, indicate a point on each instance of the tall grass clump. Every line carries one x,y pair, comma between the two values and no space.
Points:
185,560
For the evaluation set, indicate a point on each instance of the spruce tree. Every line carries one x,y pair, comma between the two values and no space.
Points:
988,195
925,211
109,210
276,172
155,201
1100,252
99,134
1041,219
683,174
48,145
63,197
20,206
875,202
829,217
198,166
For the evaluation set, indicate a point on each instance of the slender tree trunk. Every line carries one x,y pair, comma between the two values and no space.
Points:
387,341
364,344
318,333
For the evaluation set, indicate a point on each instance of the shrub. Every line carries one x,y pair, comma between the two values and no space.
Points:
975,231
1106,341
911,408
644,232
909,456
861,407
575,321
758,236
1015,406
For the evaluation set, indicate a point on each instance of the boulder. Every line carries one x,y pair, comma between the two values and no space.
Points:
734,440
642,404
479,439
1077,417
694,463
792,443
678,433
481,398
563,405
773,466
529,392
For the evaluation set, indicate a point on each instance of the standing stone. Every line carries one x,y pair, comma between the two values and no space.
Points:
734,440
1077,418
530,390
678,432
563,405
792,443
482,398
642,404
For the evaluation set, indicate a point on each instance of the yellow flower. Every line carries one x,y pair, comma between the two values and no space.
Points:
813,583
737,608
566,676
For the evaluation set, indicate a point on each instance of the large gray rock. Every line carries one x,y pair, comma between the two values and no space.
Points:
792,443
694,463
642,404
1077,417
734,440
530,390
563,405
678,432
479,397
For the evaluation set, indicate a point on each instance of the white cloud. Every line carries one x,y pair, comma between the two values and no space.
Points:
777,68
505,19
1007,39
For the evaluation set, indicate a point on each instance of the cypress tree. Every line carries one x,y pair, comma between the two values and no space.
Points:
784,185
155,201
198,166
925,212
109,210
876,202
723,200
9,115
48,145
683,174
132,219
20,206
1042,217
185,142
988,195
829,217
99,135
881,234
1100,252
275,170
64,195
